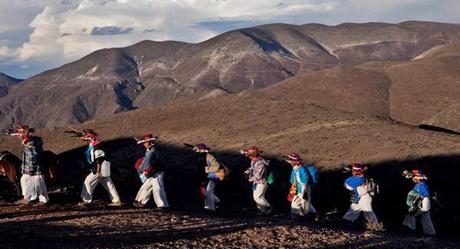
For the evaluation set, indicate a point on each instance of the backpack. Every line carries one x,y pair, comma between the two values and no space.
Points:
313,173
223,172
138,163
413,201
372,187
270,178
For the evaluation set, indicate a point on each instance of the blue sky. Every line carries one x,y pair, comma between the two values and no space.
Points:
36,35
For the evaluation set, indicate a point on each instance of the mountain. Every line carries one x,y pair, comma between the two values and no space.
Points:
151,73
418,92
5,83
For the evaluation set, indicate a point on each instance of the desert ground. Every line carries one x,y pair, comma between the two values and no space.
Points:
70,226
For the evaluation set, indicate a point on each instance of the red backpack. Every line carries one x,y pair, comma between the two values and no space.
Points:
138,163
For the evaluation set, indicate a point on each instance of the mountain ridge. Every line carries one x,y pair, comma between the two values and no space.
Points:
150,73
6,82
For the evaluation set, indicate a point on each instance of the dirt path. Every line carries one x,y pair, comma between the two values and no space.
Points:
70,226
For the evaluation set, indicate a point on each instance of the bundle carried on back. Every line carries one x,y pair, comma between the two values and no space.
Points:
74,132
212,164
16,131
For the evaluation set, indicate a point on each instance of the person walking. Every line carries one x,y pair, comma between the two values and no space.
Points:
301,181
150,169
99,171
211,171
418,201
257,174
32,180
363,189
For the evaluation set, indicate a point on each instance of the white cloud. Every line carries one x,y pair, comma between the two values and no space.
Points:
4,51
49,32
67,32
43,42
16,15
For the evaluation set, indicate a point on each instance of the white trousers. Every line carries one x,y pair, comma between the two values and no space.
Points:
91,181
365,206
210,199
34,187
425,218
153,186
258,195
302,207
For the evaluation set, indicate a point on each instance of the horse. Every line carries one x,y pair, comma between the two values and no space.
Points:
10,164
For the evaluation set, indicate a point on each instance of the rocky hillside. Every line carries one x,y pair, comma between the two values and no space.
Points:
151,73
419,92
5,83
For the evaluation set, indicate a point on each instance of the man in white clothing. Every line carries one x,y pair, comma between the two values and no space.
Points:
419,203
257,175
363,190
98,165
150,169
32,180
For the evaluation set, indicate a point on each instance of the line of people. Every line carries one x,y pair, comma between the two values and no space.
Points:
150,169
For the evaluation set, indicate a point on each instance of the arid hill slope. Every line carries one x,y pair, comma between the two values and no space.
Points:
279,125
419,92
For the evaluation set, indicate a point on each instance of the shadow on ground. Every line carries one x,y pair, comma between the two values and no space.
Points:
329,196
100,227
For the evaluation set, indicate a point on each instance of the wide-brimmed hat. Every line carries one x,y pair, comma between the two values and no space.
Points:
147,138
252,151
418,174
203,148
23,127
358,169
294,156
91,136
88,134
